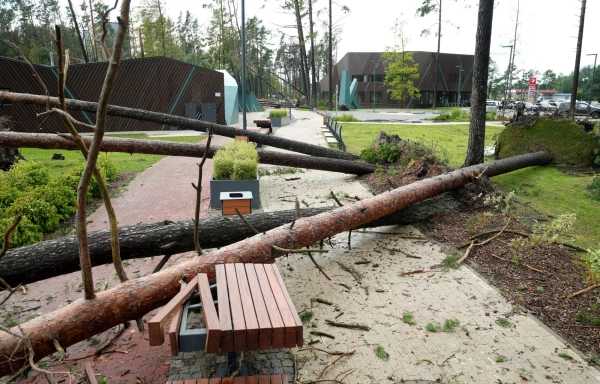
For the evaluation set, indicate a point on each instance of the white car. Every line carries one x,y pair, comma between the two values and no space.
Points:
491,106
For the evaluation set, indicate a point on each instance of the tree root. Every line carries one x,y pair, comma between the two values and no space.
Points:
585,290
473,243
525,265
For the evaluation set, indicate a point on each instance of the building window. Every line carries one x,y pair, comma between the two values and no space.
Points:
360,95
377,99
4,103
379,78
359,78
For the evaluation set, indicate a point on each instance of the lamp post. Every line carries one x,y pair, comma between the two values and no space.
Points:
507,75
460,71
243,66
593,73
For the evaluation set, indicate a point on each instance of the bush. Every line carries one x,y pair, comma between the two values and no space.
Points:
594,188
369,155
237,161
278,113
346,117
343,107
322,104
26,175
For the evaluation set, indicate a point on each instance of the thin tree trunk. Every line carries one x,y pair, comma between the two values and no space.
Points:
134,298
514,51
437,56
162,29
153,147
196,125
94,31
141,41
476,147
313,85
56,257
577,61
302,43
81,44
330,56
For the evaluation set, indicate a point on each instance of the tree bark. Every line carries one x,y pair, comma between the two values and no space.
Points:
81,44
330,56
302,43
56,257
437,55
8,157
476,147
313,85
134,298
195,125
577,61
155,147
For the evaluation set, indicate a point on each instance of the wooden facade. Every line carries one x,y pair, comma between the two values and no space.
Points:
157,84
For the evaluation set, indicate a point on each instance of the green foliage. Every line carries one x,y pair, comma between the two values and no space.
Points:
539,289
408,318
565,356
582,318
400,67
566,142
450,324
306,315
322,104
501,359
346,117
593,188
368,154
43,203
520,288
278,113
503,203
503,322
381,353
451,261
454,115
237,161
591,261
107,167
430,327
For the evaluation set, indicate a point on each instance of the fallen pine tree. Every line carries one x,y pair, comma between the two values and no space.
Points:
28,264
182,122
134,298
170,148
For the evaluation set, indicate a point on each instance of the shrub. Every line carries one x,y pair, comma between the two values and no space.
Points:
343,107
593,188
388,152
346,117
278,113
322,104
237,161
26,175
369,155
106,165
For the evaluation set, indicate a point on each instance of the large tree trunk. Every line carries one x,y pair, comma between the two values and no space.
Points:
313,85
437,55
134,298
154,147
476,148
60,256
330,56
177,121
8,157
302,43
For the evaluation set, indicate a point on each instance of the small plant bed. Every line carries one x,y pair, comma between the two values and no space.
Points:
535,275
346,117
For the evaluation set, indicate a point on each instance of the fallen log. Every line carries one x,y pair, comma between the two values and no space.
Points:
171,148
25,265
182,122
134,298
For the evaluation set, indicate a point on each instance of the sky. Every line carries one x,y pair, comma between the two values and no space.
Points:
547,32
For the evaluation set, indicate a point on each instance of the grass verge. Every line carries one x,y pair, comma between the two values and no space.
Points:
452,138
124,162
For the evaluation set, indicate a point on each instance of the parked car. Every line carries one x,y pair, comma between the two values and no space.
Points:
491,105
547,105
530,107
581,109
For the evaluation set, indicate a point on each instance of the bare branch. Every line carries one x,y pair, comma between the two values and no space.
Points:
198,196
9,234
68,116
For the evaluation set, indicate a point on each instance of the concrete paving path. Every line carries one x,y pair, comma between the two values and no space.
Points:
491,329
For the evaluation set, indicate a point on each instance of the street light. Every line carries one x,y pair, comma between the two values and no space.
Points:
460,71
507,74
374,89
593,73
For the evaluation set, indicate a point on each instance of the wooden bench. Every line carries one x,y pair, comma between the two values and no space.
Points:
266,131
260,379
263,123
248,308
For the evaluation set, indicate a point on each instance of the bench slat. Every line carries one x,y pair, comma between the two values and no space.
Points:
178,382
156,334
252,380
190,382
237,311
227,380
277,379
299,326
264,379
284,309
202,381
262,315
248,305
240,380
174,331
274,315
214,380
224,310
213,328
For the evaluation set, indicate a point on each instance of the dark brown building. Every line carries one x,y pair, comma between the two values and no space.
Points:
369,69
157,84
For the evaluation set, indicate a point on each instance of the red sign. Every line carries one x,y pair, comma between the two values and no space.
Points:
532,84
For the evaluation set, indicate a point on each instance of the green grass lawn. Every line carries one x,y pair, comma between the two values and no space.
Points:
452,138
124,162
553,193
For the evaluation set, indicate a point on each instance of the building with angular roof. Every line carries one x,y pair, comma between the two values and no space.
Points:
369,70
157,84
